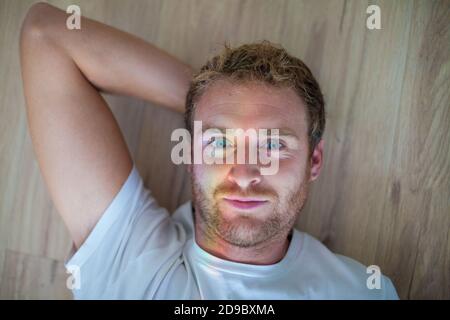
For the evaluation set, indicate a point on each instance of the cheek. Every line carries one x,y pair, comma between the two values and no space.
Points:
209,176
290,174
295,165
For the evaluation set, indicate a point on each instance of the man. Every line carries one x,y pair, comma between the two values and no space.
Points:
237,238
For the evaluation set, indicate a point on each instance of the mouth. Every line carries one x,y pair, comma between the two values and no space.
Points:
245,203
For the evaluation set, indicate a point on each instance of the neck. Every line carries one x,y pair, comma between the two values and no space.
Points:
267,253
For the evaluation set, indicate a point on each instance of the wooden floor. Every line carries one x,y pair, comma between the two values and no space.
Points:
384,195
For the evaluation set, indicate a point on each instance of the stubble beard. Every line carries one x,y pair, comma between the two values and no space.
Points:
248,231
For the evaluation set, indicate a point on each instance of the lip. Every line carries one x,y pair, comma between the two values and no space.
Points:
245,203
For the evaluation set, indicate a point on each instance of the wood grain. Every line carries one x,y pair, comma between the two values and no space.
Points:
384,194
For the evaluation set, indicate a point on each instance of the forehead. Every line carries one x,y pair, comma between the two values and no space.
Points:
252,105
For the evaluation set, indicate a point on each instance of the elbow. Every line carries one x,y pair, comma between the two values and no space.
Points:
35,24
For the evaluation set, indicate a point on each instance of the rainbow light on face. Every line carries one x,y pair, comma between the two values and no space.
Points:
210,187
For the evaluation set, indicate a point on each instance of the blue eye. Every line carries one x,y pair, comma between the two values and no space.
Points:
220,143
274,145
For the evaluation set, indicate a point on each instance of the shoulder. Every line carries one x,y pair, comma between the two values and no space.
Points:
345,278
184,216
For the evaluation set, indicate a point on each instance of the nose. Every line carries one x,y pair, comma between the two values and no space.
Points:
245,175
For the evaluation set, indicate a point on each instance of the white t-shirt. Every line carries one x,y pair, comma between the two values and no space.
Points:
138,251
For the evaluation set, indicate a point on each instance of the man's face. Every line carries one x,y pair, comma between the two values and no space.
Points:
222,192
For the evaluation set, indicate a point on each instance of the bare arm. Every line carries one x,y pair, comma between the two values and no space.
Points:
79,147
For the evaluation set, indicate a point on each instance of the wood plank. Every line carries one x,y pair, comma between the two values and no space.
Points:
384,193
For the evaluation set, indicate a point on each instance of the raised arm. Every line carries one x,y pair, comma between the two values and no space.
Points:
79,147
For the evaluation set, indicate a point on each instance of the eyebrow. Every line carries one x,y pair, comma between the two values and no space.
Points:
285,132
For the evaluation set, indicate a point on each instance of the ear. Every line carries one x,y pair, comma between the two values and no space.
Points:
316,161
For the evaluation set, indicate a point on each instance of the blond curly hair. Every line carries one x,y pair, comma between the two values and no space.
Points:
267,63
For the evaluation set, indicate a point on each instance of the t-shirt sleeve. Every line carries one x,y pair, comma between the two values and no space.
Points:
358,275
389,290
133,236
